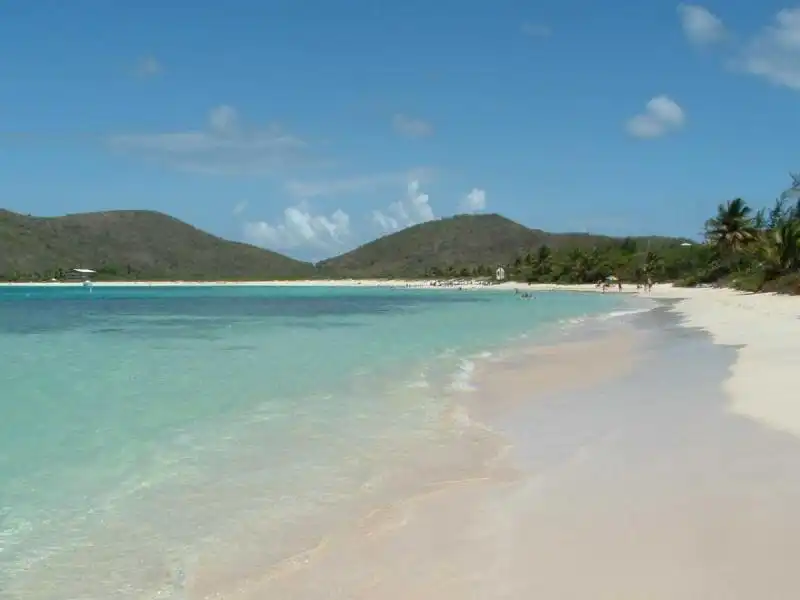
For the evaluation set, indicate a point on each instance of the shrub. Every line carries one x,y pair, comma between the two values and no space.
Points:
787,284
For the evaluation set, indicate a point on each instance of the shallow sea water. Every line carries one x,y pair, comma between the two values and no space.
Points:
156,437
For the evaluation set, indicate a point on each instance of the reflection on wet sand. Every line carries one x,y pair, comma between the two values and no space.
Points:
641,485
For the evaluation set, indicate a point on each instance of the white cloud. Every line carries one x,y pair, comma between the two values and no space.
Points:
411,126
700,25
226,147
774,52
475,201
240,208
149,66
662,115
300,227
384,222
535,30
415,208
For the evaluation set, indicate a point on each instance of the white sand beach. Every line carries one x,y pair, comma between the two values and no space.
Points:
766,327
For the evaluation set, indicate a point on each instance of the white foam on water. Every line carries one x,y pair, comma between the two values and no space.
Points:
462,378
616,314
419,384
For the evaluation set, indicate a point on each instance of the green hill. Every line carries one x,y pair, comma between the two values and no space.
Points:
132,245
461,241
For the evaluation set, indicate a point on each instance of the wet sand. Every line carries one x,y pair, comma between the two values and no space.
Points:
643,485
615,462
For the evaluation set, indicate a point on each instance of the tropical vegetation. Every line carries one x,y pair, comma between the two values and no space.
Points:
741,248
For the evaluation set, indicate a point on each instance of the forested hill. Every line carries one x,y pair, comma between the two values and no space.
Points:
460,242
132,244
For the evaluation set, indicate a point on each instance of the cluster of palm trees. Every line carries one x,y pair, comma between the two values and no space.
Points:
750,249
755,250
762,245
628,259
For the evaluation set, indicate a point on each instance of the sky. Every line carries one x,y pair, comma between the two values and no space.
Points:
311,127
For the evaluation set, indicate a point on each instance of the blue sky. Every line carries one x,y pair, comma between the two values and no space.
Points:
310,127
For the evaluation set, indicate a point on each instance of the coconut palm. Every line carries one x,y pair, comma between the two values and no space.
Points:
653,263
733,228
579,264
780,248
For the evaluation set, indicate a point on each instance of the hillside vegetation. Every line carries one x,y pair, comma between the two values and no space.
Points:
752,250
461,245
131,245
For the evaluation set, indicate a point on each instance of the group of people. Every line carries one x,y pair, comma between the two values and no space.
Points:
605,284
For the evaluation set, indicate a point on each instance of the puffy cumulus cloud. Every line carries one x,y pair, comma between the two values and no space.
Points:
300,227
225,147
413,209
412,127
661,115
774,52
475,201
700,25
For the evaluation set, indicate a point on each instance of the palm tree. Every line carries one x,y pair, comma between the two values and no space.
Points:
652,264
777,214
780,248
579,264
733,228
543,254
543,260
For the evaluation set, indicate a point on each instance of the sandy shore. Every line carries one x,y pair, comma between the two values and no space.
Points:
366,283
766,329
627,476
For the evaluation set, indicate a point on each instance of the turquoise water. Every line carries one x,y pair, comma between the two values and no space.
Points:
145,430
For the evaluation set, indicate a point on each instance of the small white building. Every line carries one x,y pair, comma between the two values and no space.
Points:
82,274
500,274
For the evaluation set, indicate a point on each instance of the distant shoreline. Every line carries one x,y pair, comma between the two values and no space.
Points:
433,284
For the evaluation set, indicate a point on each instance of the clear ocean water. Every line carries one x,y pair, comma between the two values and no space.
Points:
150,435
